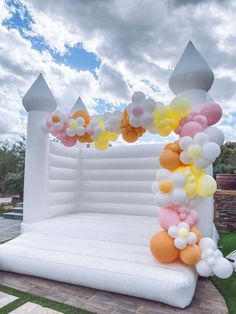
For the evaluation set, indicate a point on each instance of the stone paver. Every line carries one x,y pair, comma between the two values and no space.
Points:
207,299
32,308
6,298
9,229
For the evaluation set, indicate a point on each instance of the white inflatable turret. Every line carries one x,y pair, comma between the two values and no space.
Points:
38,102
192,77
79,106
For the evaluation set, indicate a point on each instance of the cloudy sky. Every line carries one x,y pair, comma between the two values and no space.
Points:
104,50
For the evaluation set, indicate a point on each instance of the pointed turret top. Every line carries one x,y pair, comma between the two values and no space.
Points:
191,72
79,106
39,97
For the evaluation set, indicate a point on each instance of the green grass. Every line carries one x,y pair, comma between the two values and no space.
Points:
227,287
2,211
24,297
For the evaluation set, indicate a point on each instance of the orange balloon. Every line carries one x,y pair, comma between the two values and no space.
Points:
82,114
190,255
197,232
130,137
169,158
163,248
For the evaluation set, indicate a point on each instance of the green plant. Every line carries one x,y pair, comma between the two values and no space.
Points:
226,162
227,287
12,164
14,183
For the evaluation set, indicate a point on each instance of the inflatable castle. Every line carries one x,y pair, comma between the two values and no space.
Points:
90,217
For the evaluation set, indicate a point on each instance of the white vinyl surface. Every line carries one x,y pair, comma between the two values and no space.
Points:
102,251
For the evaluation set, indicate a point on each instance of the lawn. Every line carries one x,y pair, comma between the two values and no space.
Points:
227,287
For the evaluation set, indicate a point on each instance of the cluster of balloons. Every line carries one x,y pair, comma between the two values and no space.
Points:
182,178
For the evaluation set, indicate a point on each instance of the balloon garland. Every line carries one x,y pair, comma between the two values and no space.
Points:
182,177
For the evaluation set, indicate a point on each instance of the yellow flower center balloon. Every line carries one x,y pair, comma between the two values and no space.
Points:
165,186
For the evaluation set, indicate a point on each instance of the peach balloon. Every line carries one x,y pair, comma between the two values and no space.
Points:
81,114
190,255
169,158
163,248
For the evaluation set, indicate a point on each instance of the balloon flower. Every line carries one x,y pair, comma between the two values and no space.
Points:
198,150
141,110
168,188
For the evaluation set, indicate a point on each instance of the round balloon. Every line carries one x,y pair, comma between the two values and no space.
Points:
222,268
168,217
190,255
206,186
163,248
212,112
191,128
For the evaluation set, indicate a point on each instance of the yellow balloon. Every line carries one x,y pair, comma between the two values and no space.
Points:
101,145
180,107
195,151
112,136
206,186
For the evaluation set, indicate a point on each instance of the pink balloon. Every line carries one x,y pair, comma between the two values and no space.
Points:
191,128
212,112
68,141
168,217
202,120
191,217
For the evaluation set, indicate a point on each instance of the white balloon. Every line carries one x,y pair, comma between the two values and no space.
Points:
70,132
161,199
135,122
211,261
147,119
178,197
173,231
207,243
155,187
203,269
223,268
192,238
185,158
58,126
150,104
211,150
80,131
184,225
215,135
180,243
201,138
138,97
185,141
162,174
202,163
179,179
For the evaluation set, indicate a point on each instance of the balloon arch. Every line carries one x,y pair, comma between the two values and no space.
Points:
182,176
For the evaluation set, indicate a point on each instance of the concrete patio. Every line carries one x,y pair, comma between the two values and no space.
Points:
207,299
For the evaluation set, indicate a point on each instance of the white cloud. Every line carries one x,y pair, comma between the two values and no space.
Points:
138,42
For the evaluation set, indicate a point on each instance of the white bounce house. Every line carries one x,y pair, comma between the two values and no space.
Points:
89,215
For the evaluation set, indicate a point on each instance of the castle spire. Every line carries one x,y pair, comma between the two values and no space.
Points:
192,72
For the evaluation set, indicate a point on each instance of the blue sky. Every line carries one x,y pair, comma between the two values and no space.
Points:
75,57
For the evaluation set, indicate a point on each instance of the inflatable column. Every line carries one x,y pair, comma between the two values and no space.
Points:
38,102
192,78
